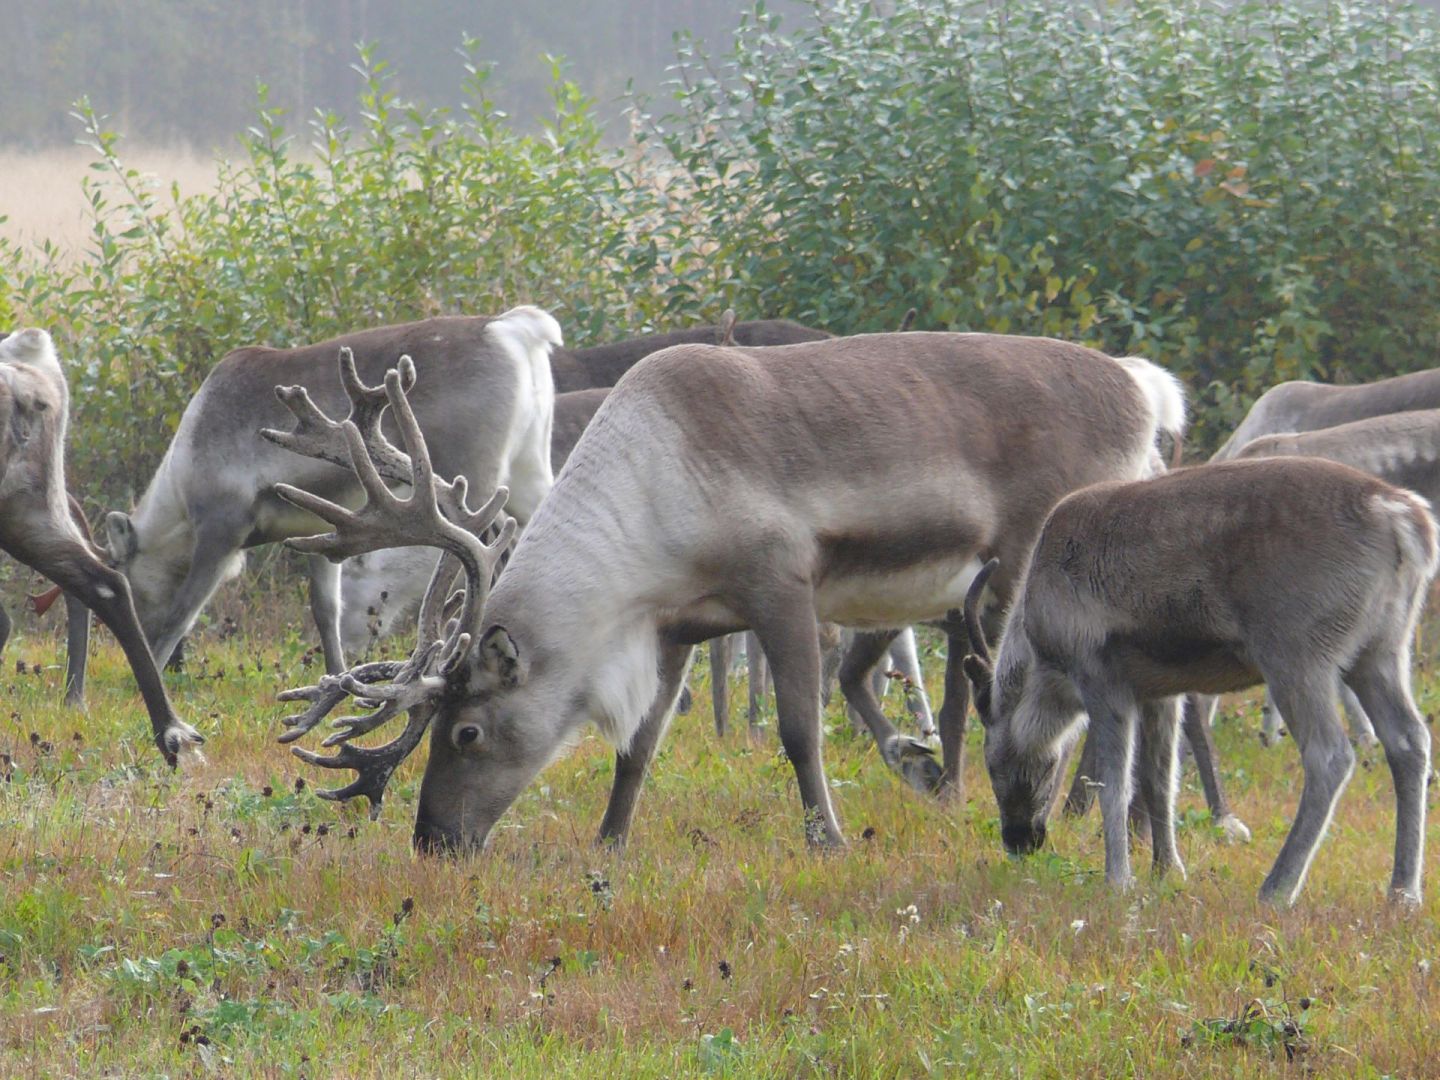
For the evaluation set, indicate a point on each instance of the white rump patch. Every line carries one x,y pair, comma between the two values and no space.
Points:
529,327
1164,392
1420,544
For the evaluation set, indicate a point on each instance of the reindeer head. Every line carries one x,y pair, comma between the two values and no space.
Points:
467,688
1024,784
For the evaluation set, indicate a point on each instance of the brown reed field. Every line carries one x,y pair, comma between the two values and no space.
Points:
223,920
41,196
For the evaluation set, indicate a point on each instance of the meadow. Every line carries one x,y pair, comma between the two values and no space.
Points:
223,919
1219,197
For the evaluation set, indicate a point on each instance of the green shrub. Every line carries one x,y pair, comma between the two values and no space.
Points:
1246,192
417,212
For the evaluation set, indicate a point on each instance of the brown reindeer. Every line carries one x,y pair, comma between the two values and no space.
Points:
718,489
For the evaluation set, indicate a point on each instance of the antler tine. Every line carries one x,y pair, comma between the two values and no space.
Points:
329,692
375,766
434,514
318,436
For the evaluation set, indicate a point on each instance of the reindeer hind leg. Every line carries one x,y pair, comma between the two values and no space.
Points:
1327,759
1383,688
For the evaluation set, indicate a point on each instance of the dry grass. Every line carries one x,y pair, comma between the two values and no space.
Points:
41,197
219,919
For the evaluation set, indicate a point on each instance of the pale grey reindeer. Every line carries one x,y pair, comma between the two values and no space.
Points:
1296,572
380,592
486,401
37,526
1309,406
718,489
77,619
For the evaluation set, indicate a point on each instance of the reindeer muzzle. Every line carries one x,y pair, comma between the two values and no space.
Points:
1022,839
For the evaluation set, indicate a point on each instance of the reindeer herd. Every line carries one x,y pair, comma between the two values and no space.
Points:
565,526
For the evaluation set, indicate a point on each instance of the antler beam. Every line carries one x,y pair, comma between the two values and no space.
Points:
434,514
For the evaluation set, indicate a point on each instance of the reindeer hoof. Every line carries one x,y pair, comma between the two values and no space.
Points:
1405,899
1235,830
177,739
915,761
682,706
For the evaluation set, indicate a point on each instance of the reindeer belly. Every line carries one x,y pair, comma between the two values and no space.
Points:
894,596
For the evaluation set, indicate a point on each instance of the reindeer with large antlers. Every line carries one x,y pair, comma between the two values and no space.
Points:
1299,573
719,489
37,526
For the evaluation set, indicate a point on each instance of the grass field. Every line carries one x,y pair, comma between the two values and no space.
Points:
223,920
42,199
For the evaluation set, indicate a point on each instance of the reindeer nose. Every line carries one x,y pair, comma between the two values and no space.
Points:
430,839
1022,839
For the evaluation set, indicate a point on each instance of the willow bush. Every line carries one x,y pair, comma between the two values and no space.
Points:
1244,192
306,235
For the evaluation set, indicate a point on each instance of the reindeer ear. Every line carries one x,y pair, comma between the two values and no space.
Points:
500,658
120,536
982,680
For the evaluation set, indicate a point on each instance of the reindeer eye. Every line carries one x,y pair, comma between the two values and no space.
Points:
466,735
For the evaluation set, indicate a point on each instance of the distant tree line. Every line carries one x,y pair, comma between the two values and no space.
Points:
169,71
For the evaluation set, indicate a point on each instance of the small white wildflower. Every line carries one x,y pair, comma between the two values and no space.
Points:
1422,966
910,912
1078,925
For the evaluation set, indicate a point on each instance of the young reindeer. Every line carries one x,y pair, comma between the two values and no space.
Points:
37,526
1299,573
719,489
1401,448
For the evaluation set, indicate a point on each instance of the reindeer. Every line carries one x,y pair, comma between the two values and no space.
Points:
393,582
1309,406
487,405
1290,407
77,619
1299,573
380,591
37,526
1401,448
716,489
602,365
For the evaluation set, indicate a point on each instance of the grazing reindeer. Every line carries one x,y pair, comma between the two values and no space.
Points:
717,489
1401,448
486,403
37,526
1287,408
77,620
380,591
1298,573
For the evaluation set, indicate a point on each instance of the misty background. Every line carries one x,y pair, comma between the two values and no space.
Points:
185,71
